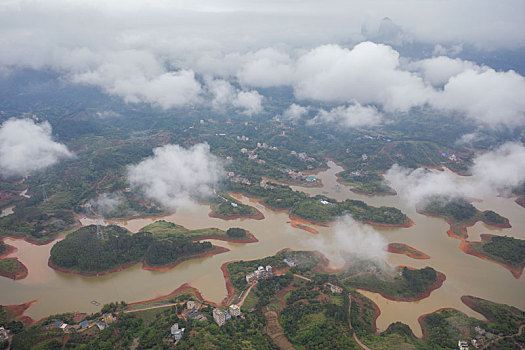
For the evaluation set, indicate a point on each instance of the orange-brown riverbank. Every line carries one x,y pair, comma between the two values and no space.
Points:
405,249
20,274
467,247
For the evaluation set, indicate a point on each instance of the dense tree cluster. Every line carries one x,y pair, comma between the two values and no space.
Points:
509,249
493,217
409,283
88,251
236,232
456,208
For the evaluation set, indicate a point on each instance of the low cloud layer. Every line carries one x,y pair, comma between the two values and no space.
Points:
375,74
137,76
175,176
348,116
295,112
26,146
495,172
351,239
225,95
319,50
368,73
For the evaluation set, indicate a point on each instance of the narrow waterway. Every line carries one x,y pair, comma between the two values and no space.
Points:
466,275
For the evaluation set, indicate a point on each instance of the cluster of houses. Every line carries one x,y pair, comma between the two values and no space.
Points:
297,175
101,323
252,156
479,341
451,157
265,146
221,316
303,156
482,336
238,178
258,274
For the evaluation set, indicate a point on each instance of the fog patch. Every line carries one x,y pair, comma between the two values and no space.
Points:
295,112
105,204
225,95
354,115
175,176
26,146
350,240
495,172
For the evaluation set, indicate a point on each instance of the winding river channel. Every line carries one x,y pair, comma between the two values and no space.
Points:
466,275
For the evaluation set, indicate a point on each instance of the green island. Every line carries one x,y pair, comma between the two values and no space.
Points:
320,209
461,214
367,183
226,207
89,251
163,229
507,251
404,284
12,268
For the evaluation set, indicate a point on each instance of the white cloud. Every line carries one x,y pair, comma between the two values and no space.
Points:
295,112
266,68
137,76
368,73
501,169
350,239
226,95
249,101
144,52
353,115
175,176
486,96
26,147
438,70
495,172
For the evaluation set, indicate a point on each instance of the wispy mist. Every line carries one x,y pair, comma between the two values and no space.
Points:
106,204
350,240
494,172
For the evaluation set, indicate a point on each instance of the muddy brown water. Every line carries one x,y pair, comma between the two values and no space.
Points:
466,275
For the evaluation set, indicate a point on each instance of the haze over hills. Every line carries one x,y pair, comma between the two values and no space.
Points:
368,156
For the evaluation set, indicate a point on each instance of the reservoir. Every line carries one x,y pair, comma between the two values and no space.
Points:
59,292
